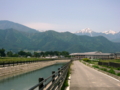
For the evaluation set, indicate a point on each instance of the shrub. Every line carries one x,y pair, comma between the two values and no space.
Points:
118,74
104,69
86,59
118,68
95,66
111,71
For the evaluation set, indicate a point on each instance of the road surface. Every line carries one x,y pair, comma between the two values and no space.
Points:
86,78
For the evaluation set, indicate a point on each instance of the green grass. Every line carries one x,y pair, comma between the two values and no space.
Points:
95,66
104,69
118,74
17,59
115,61
111,71
93,62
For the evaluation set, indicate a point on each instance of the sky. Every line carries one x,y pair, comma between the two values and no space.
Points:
63,15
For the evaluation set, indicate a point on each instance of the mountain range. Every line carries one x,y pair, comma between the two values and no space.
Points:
111,35
4,24
16,39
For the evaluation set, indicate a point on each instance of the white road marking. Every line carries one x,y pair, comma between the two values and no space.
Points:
68,88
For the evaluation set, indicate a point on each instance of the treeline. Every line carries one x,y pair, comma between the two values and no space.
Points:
35,54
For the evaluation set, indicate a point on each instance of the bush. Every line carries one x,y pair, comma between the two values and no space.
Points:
104,69
118,74
86,59
118,68
111,71
95,66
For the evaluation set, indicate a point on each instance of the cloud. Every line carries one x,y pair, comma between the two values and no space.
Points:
42,26
57,27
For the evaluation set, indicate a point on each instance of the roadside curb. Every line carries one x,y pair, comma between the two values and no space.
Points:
68,87
107,73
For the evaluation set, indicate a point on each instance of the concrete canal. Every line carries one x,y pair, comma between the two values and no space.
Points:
27,80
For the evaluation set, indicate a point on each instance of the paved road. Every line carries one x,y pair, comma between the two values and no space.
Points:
86,78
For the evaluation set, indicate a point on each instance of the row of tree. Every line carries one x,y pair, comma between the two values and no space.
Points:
35,54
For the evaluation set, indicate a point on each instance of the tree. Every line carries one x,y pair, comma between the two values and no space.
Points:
2,52
57,53
22,53
28,54
36,54
42,54
65,53
15,55
10,54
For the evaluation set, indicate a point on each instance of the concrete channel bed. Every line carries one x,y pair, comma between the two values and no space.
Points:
10,71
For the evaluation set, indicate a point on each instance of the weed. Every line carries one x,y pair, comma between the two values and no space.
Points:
118,74
111,71
95,66
104,69
118,68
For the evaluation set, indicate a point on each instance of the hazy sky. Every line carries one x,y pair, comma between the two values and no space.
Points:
63,15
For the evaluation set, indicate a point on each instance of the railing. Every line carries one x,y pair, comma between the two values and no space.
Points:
55,81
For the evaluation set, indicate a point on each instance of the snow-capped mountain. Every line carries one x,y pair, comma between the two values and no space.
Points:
86,30
42,30
110,34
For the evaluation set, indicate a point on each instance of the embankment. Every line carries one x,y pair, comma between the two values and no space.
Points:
10,71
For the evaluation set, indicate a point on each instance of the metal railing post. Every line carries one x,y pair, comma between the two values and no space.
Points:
9,63
59,72
53,77
40,86
13,63
3,64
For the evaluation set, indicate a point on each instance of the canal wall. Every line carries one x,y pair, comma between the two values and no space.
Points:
11,71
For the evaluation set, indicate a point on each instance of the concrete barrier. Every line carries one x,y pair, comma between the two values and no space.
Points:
6,72
111,64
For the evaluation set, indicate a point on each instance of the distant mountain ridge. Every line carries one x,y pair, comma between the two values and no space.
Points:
110,32
15,40
5,24
15,37
111,35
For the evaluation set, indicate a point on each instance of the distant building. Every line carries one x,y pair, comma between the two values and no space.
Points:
117,55
51,57
93,55
28,57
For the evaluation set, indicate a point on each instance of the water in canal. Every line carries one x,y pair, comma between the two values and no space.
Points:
26,81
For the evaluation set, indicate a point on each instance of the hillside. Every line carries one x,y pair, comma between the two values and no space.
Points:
15,40
4,24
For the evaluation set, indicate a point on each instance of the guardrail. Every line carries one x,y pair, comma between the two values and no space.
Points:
55,81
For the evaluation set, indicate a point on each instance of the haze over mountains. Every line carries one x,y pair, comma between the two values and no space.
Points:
111,35
15,37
